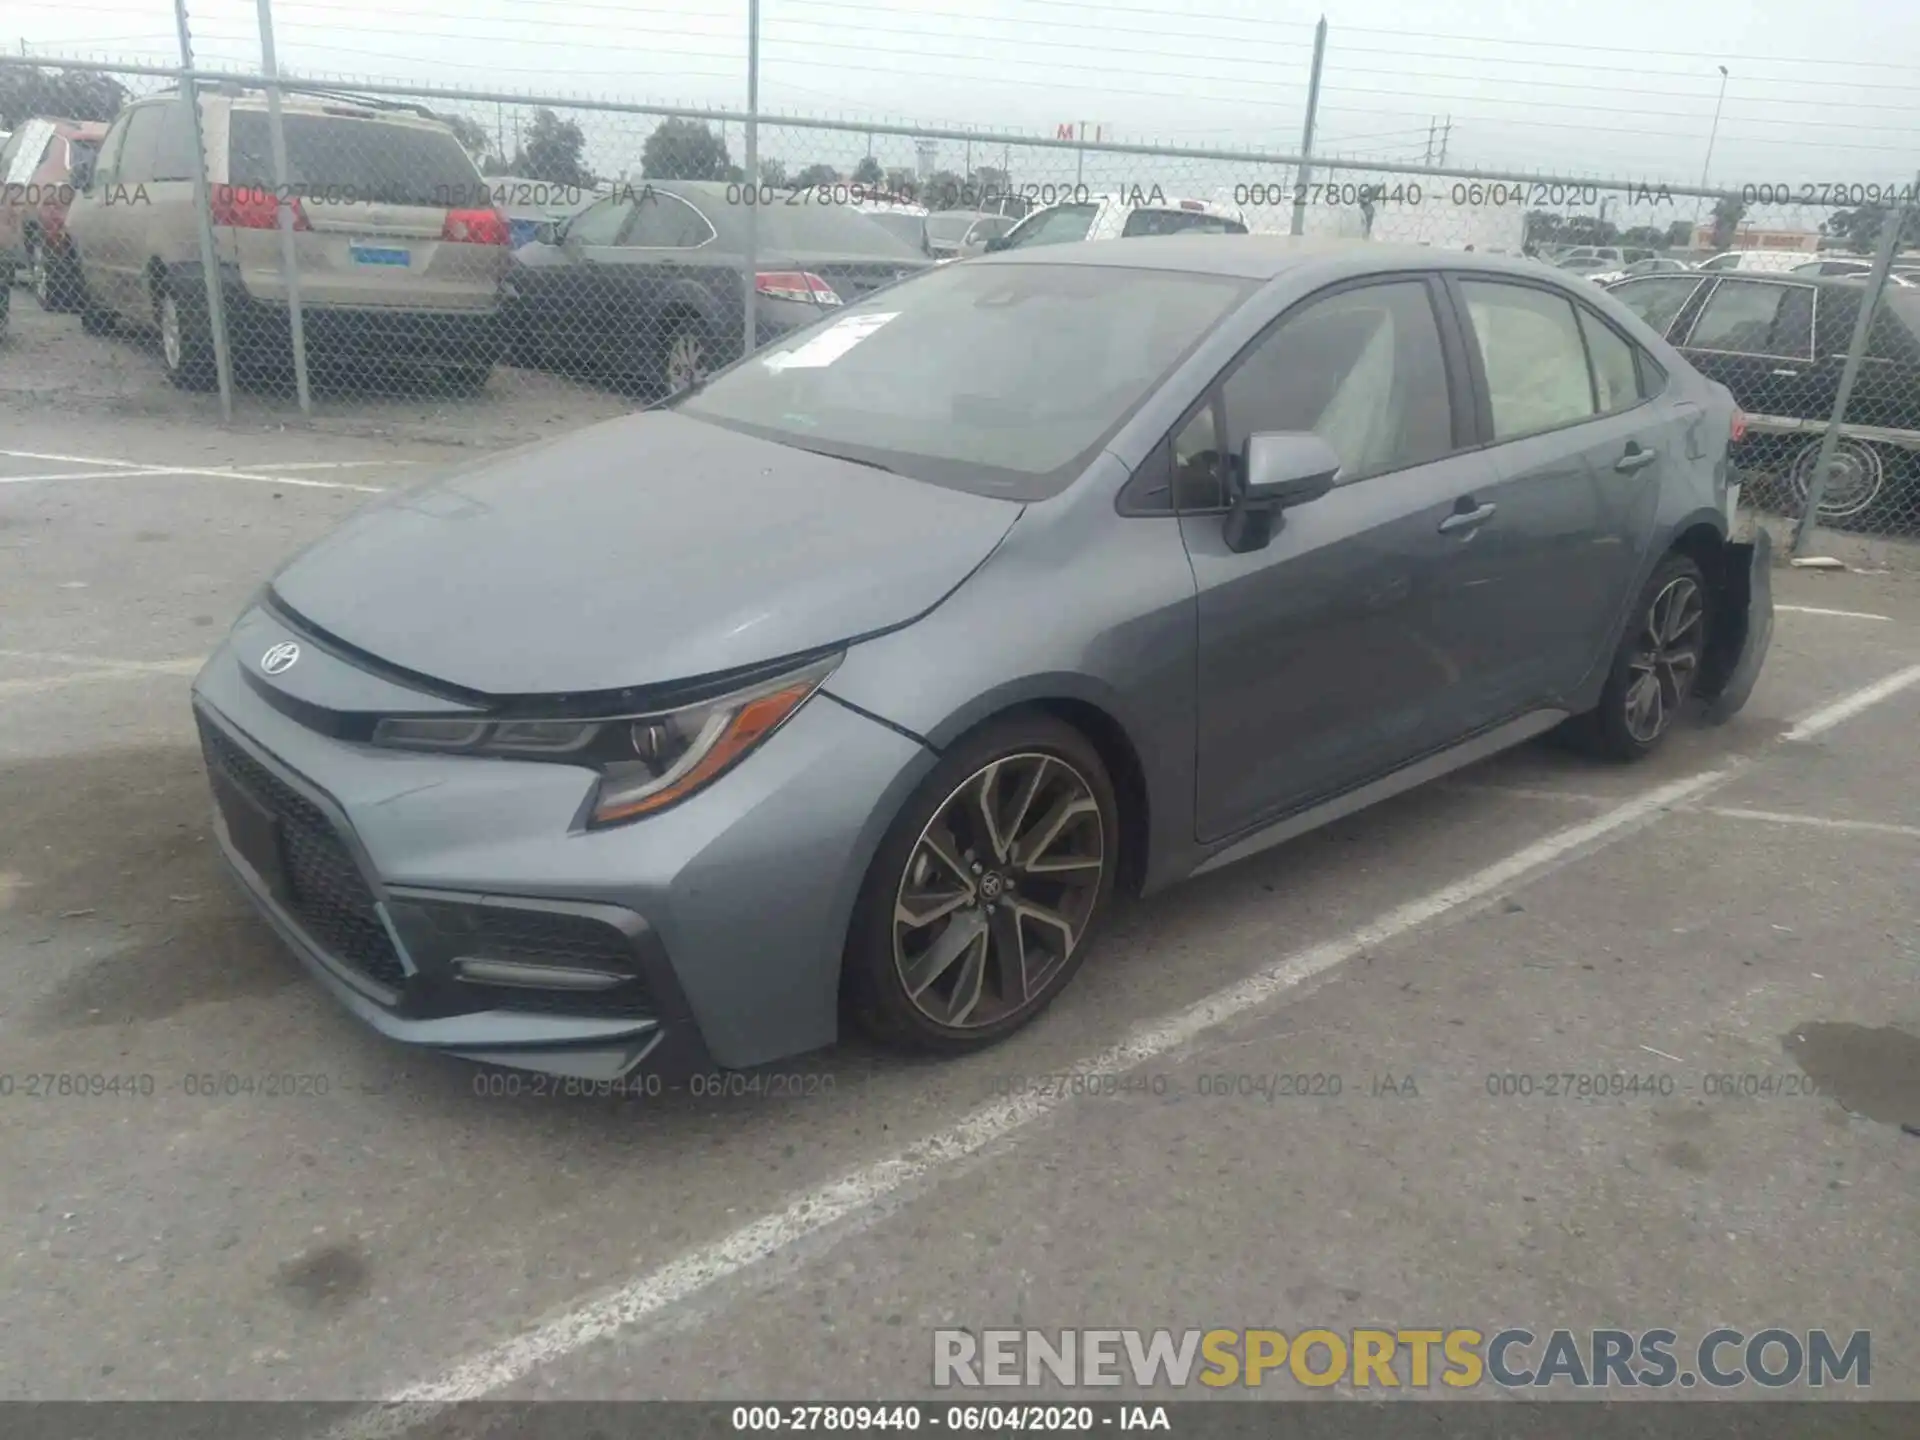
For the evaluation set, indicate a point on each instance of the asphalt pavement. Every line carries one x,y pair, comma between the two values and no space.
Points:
1311,1090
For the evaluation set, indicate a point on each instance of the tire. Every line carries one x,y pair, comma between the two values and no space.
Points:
1859,483
686,354
52,279
6,304
1015,919
93,319
186,340
1631,721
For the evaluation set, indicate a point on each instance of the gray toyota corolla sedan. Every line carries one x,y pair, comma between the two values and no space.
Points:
857,680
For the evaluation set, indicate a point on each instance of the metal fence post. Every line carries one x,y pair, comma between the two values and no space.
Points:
750,280
289,257
203,203
1306,135
1892,227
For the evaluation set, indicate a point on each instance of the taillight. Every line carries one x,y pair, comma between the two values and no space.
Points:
476,227
795,285
1738,430
245,209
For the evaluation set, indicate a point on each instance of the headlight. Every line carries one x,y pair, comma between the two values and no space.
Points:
647,761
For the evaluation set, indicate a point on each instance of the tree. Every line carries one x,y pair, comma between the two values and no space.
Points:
816,175
990,182
943,190
1680,235
900,180
684,150
1647,236
1728,211
1860,229
868,172
471,134
1543,228
773,172
29,90
552,150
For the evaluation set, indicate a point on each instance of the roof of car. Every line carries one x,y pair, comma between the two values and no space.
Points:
1262,257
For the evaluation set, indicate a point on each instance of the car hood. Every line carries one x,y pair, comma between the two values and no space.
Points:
646,550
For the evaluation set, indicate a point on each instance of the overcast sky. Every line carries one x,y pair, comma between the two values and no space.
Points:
1626,88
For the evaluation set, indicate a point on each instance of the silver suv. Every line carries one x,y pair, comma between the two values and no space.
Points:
400,252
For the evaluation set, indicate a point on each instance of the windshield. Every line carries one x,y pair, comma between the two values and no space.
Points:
1059,226
337,156
999,379
910,229
949,229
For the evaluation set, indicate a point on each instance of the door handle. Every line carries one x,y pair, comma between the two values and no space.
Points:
1466,519
1635,459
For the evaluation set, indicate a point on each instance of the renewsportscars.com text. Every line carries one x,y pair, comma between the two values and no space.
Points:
1513,1358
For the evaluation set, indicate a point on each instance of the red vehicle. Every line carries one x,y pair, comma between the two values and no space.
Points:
36,166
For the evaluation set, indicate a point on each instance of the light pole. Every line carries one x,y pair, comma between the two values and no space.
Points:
1712,131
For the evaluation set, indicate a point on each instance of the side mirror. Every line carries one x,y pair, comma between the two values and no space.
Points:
1277,470
998,242
80,174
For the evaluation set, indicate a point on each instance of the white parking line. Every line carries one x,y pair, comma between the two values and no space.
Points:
186,664
859,1192
1822,822
133,470
1839,614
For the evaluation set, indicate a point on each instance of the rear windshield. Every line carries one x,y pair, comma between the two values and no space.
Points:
950,229
999,379
338,157
839,229
909,229
1180,222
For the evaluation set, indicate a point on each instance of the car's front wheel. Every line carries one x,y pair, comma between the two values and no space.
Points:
978,907
51,277
1655,667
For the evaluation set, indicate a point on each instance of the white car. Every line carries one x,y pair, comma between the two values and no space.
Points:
1116,217
1774,260
905,222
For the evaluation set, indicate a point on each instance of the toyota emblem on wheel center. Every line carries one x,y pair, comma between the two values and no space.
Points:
279,658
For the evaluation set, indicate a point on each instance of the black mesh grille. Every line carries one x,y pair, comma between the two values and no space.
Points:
328,894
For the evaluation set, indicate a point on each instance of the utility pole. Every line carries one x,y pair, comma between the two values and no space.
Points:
1445,135
1432,125
1299,226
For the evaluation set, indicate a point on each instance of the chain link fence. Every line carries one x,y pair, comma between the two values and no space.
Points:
383,240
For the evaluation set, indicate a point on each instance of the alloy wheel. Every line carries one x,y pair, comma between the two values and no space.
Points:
686,361
998,890
171,344
1664,667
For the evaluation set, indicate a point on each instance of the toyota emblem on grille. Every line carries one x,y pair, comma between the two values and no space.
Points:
279,658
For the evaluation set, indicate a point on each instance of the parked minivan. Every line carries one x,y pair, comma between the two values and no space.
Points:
400,251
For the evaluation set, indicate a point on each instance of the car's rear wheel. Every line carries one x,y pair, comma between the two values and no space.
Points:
686,354
1655,667
51,277
1858,481
186,340
978,907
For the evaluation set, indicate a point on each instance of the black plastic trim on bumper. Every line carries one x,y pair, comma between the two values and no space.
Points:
595,1047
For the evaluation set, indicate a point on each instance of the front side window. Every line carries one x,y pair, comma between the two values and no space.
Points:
173,151
1752,317
1535,363
1656,299
142,144
665,222
1362,368
1059,226
999,379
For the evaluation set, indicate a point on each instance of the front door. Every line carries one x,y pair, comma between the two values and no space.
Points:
1324,657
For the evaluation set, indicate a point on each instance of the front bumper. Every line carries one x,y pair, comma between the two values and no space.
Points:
456,903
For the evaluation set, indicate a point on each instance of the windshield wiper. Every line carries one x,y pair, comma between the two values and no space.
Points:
850,459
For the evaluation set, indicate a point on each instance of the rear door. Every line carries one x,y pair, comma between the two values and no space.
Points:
565,288
1324,658
377,189
1580,453
1754,334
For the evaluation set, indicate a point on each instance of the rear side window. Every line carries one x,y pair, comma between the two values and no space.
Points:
1616,382
666,222
1179,222
1656,299
1530,347
142,145
173,150
1751,317
342,157
600,224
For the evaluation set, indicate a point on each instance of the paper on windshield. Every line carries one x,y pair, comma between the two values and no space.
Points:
33,141
830,344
